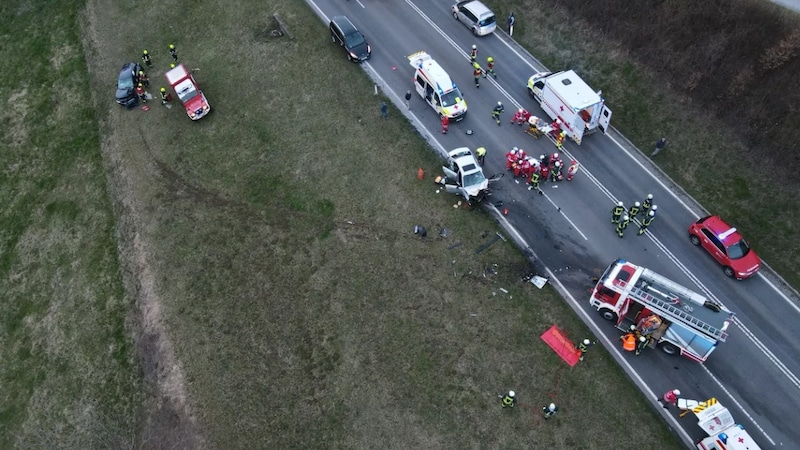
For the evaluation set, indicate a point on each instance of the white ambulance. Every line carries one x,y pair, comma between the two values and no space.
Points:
435,86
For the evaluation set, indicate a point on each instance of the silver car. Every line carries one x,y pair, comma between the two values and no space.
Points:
464,176
476,16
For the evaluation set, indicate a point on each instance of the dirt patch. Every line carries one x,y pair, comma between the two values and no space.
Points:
169,421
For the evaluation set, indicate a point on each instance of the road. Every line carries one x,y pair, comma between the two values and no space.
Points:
568,230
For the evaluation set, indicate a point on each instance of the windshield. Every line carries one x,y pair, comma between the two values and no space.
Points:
487,21
354,40
471,179
186,91
738,250
451,98
125,80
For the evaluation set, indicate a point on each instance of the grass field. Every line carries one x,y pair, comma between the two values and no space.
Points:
277,232
69,377
729,171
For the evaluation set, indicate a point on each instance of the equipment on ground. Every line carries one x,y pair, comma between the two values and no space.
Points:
676,319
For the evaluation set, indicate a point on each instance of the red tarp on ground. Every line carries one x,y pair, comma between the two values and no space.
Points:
561,345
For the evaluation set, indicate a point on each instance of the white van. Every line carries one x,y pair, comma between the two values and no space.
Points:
476,16
435,86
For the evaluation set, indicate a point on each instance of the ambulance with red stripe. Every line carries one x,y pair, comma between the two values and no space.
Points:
436,87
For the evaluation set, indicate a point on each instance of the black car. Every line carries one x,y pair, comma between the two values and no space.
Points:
344,33
126,85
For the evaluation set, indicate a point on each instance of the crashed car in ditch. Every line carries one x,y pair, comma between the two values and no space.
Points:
464,176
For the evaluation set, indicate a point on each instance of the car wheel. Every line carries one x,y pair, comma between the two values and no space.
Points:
728,272
475,31
668,348
608,314
455,15
530,92
695,240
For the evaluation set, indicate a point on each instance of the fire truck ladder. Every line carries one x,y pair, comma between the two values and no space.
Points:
666,309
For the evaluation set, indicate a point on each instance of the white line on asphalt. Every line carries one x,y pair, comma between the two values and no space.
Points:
431,139
565,217
722,386
610,346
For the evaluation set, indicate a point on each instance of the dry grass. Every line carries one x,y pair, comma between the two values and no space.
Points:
302,309
68,375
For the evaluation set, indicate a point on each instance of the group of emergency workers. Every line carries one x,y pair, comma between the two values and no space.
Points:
634,341
144,81
622,216
536,170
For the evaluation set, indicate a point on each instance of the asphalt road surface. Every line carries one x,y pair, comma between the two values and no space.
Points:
568,230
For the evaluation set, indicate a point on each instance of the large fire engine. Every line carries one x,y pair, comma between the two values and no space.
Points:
673,317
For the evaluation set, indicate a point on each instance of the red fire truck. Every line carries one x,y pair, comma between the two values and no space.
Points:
674,318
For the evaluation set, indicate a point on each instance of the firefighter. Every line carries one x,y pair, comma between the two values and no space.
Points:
616,213
560,139
511,158
641,345
622,225
481,151
583,346
555,173
140,93
653,209
164,96
445,123
549,410
534,182
647,203
497,111
647,220
628,342
476,72
143,79
573,169
634,210
172,65
489,68
509,400
473,54
173,52
521,116
146,58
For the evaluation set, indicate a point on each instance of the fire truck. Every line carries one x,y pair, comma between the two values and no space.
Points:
672,317
723,432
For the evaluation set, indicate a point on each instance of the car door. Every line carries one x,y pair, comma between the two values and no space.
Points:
714,246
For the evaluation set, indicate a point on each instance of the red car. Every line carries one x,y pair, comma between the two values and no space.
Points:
726,245
187,91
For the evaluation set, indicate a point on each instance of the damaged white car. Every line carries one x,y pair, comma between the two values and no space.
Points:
464,176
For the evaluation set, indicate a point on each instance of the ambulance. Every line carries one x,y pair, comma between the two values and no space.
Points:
722,430
435,86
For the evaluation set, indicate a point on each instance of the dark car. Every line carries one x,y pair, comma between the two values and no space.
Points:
344,33
126,85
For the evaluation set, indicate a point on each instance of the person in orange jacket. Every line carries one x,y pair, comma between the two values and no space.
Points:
628,342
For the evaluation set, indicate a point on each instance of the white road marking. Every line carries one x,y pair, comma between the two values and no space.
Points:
722,386
507,225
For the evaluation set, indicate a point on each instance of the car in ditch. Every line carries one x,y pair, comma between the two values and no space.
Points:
188,92
464,176
126,85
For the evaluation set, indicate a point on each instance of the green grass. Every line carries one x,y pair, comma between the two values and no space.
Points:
68,377
301,307
709,157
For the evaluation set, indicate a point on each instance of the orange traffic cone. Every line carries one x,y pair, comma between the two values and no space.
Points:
420,174
505,211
